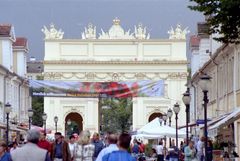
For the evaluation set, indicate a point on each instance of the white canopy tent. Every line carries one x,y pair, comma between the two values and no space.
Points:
146,136
153,128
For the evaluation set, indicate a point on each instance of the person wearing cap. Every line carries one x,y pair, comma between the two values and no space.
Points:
4,155
60,149
30,151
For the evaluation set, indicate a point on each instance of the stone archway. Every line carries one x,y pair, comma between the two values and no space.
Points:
154,115
73,123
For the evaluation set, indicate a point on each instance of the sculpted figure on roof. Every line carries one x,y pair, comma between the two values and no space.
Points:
52,33
90,32
140,32
178,33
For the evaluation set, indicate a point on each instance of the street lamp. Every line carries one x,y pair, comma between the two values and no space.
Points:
8,109
204,84
176,109
55,120
30,115
169,115
186,100
164,117
44,118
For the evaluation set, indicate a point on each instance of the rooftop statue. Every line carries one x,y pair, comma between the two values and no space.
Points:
116,32
140,32
178,33
52,33
103,35
90,32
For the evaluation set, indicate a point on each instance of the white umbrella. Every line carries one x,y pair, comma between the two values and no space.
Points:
154,128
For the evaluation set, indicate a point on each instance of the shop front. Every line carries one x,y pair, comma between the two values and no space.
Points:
224,134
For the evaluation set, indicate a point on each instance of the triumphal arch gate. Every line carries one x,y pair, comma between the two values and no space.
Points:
115,55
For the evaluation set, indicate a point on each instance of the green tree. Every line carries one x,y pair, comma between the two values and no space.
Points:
118,117
37,106
222,17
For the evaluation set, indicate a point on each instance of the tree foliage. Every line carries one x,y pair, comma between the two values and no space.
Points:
223,17
118,117
37,106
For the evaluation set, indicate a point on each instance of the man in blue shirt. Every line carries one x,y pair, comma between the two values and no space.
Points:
112,140
121,154
98,145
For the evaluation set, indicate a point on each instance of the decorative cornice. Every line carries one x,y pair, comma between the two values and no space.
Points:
114,76
114,62
164,41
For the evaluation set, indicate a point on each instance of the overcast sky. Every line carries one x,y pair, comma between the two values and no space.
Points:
29,16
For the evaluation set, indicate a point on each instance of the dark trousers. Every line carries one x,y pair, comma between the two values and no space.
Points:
160,158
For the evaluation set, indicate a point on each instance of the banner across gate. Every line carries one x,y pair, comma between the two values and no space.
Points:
145,88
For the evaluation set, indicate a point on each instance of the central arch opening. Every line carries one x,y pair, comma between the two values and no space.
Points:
154,115
73,124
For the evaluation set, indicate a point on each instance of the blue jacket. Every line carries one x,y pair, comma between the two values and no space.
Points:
98,147
6,157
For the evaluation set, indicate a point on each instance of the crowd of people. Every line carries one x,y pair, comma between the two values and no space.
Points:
82,148
113,148
194,151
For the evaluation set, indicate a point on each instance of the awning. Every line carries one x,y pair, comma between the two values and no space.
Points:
215,120
191,124
11,127
230,118
221,121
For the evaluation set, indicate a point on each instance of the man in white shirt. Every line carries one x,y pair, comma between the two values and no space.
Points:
112,140
159,150
72,146
200,146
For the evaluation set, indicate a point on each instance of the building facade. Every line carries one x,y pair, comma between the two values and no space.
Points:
224,94
34,69
13,83
202,47
115,55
